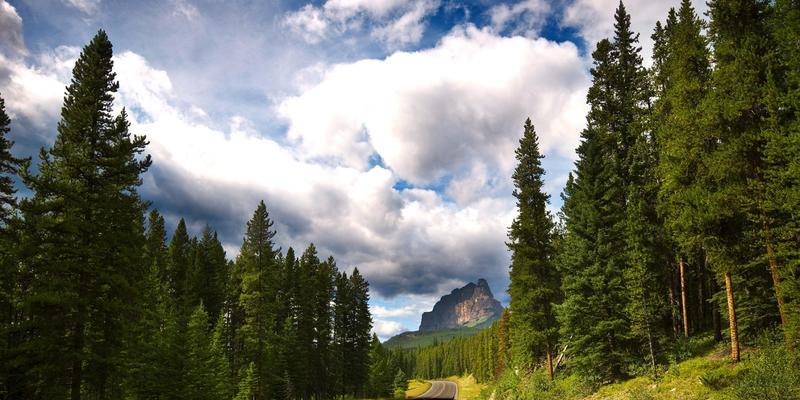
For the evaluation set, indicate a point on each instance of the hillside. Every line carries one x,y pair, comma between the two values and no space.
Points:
415,339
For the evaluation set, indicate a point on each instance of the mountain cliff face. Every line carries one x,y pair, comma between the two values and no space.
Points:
469,306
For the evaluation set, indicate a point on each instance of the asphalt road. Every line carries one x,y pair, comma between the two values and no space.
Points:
441,390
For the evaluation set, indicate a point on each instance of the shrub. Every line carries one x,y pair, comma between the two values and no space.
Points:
772,374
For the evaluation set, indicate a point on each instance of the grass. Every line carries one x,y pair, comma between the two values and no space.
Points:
700,369
417,387
705,377
468,388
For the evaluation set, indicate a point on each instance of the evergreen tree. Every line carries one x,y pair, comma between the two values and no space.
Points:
358,357
400,383
257,267
735,114
247,384
156,363
84,238
9,271
535,283
593,269
782,162
9,167
209,273
220,366
177,275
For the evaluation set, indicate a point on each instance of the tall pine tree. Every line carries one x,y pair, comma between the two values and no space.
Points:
84,239
535,284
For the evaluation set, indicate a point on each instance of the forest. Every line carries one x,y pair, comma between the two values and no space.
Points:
679,229
679,221
97,303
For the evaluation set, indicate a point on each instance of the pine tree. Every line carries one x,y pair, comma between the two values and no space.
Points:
178,265
156,363
9,167
220,366
247,386
84,238
257,267
9,270
208,275
534,283
593,269
735,113
782,162
358,357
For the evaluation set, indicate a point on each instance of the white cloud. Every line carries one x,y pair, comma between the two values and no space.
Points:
383,312
448,116
595,19
438,111
84,6
526,16
308,22
11,40
35,91
408,28
394,22
402,241
386,329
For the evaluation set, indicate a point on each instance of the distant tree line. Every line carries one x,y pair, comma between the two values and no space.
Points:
681,215
97,303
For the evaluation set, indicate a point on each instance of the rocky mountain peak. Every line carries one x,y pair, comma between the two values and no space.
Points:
470,305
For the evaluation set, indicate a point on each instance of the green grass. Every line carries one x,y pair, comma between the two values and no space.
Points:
468,388
704,377
767,371
417,387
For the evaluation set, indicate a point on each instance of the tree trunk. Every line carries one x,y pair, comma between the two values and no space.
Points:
776,278
671,294
700,302
77,362
732,318
682,267
549,363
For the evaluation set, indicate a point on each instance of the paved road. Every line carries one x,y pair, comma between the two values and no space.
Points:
443,390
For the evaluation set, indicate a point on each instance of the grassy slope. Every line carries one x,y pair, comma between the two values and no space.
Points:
709,375
417,387
468,389
412,340
703,377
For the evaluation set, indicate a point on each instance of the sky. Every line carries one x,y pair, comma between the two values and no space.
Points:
382,131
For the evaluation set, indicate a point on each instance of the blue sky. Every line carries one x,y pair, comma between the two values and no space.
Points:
383,131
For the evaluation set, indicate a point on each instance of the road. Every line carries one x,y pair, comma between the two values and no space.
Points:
442,390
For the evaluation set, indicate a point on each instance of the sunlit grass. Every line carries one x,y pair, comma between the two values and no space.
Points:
417,387
468,388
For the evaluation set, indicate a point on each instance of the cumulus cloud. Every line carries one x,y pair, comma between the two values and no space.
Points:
444,120
394,22
594,19
433,112
33,89
525,17
384,312
386,329
11,41
403,241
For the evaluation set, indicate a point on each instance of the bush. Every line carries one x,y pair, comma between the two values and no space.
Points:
534,385
772,374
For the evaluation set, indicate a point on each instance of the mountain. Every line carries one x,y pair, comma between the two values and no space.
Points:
468,306
463,312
